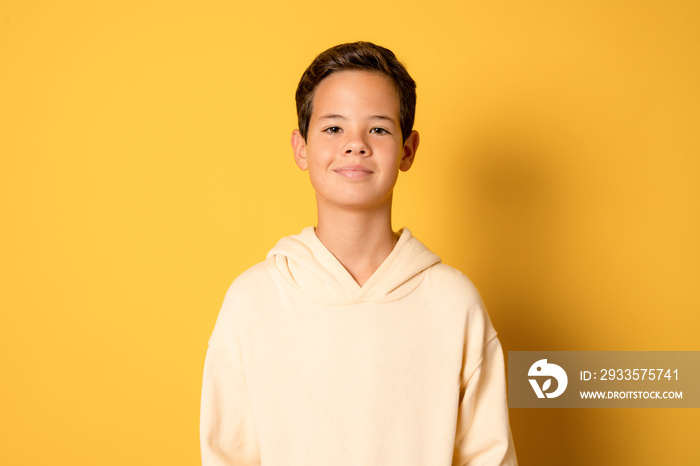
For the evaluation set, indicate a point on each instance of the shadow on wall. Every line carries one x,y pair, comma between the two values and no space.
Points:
516,200
516,195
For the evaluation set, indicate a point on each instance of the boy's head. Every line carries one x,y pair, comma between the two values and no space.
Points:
358,56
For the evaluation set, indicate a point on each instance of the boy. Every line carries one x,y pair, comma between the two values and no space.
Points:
352,344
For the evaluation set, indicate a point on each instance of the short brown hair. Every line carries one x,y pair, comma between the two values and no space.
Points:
364,56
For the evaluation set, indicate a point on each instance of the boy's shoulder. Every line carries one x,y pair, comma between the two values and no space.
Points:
451,283
454,290
247,291
248,284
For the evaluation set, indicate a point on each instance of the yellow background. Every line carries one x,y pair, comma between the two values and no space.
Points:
145,163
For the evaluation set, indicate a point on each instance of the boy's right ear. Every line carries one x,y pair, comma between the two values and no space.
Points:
299,147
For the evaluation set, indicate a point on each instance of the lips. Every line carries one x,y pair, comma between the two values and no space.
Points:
353,171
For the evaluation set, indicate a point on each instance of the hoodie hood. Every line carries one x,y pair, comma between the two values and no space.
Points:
305,262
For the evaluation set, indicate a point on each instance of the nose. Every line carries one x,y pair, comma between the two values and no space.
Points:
356,145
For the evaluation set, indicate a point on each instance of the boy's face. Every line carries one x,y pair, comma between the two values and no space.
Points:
354,147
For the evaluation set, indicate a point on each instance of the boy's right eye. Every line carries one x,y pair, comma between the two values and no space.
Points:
332,130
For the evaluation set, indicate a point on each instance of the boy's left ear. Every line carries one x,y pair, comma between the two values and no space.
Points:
299,148
409,150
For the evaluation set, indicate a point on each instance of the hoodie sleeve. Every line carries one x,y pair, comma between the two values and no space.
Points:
227,432
226,425
483,431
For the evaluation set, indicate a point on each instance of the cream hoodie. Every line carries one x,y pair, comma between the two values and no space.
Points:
307,368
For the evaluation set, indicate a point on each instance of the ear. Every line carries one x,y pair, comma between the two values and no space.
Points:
409,151
299,148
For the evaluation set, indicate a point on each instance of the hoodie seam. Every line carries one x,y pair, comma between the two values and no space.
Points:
224,357
481,359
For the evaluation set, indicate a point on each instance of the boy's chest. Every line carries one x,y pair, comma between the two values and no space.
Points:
366,346
331,372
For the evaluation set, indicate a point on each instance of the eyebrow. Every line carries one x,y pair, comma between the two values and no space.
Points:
331,116
335,116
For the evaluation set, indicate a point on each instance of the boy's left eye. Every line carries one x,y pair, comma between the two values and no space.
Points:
379,131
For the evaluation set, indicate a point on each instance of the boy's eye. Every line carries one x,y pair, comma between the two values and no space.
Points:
379,131
332,130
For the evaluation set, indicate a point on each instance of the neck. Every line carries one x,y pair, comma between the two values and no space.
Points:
359,239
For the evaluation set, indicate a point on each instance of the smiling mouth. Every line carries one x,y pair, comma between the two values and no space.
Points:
353,171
